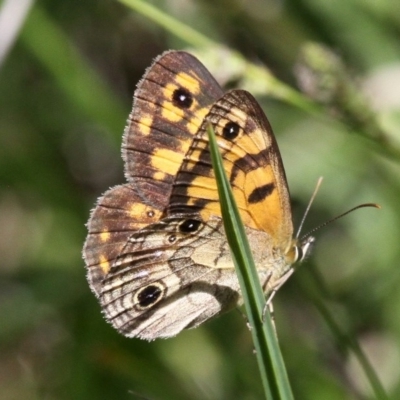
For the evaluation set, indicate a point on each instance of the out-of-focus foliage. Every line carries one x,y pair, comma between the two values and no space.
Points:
66,85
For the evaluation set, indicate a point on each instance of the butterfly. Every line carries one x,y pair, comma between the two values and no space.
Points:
156,253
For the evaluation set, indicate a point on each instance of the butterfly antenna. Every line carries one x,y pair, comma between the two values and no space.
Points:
340,216
308,207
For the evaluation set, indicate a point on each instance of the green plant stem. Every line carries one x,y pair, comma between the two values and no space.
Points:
272,368
262,75
172,25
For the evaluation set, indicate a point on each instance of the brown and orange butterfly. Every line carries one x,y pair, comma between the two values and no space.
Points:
156,253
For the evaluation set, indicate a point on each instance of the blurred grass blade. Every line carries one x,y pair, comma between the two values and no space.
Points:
315,289
256,78
270,361
79,81
12,18
185,32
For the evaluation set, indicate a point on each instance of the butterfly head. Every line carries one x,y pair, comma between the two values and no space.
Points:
299,249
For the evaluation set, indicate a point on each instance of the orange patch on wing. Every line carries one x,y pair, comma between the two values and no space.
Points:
167,161
104,265
137,209
145,124
171,113
140,212
194,124
188,82
252,143
268,212
104,236
159,176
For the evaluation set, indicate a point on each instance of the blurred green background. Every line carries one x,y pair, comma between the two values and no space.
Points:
68,70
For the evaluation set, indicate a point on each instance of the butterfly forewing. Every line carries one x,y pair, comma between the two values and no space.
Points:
169,106
253,165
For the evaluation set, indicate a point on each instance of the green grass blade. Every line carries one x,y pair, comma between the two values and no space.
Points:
272,368
178,28
254,75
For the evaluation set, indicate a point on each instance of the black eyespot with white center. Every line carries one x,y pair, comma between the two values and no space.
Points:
189,226
231,130
172,238
182,98
149,295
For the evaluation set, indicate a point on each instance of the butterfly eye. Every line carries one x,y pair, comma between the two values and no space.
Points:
149,295
230,130
189,226
182,98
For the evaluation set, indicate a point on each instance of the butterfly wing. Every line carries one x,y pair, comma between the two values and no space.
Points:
118,213
170,103
169,106
177,273
253,165
161,282
155,276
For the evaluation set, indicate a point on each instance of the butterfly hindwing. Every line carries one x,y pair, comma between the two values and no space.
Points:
118,214
161,282
177,273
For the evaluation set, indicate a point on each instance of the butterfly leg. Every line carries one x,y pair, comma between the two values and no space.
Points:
280,282
244,316
268,304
